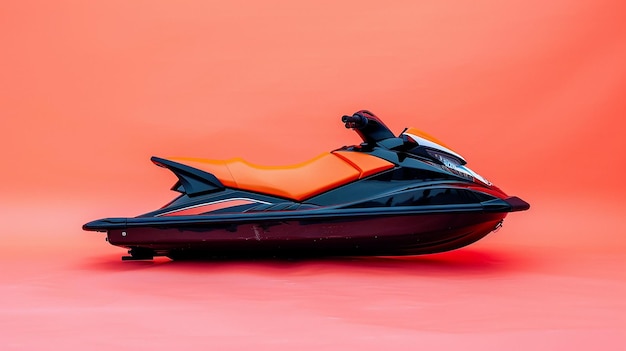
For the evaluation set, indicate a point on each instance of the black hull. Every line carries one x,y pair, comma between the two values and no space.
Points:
393,234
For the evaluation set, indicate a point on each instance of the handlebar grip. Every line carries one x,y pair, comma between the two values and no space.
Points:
356,121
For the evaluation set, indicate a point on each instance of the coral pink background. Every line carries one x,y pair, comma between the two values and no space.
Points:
530,92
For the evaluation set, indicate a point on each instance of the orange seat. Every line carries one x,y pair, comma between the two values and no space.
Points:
365,163
296,182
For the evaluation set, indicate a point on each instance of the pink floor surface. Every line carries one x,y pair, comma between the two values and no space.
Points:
521,288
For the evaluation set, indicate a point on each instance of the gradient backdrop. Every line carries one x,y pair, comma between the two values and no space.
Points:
532,93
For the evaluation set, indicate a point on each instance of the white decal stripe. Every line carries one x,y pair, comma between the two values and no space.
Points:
213,203
476,175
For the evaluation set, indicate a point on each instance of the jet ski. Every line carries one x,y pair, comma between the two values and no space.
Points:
391,195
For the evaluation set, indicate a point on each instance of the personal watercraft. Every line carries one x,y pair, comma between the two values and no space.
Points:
391,195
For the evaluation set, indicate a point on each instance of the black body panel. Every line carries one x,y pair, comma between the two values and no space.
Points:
193,181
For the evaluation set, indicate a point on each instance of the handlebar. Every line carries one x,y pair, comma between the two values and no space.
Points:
355,121
369,127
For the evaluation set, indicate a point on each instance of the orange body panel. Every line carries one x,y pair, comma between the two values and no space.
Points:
366,164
